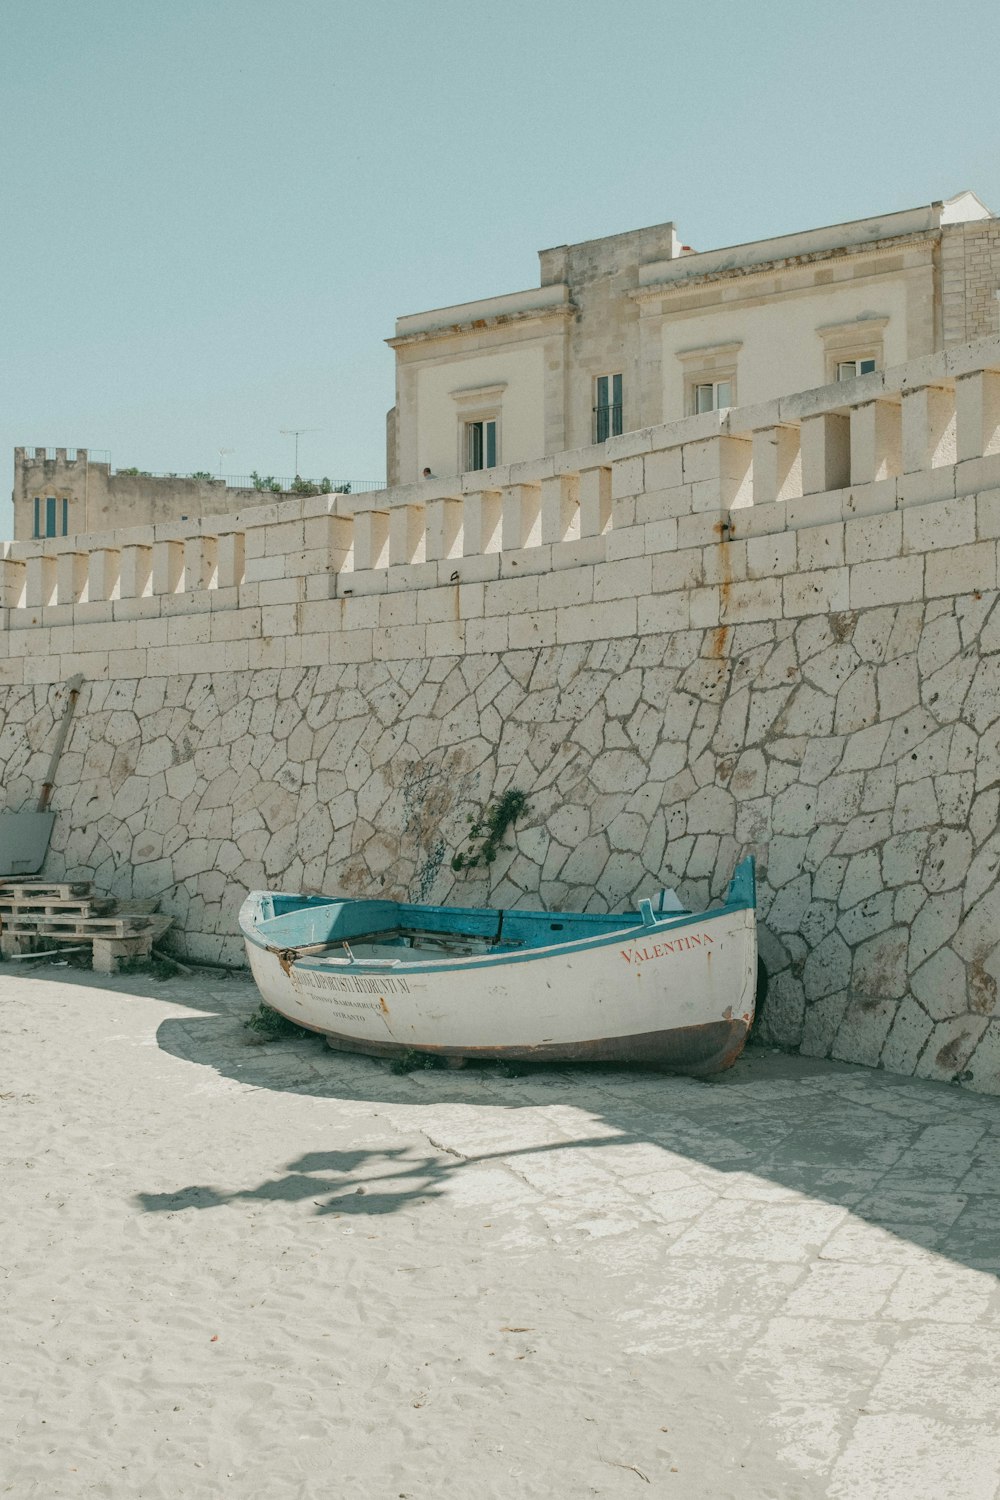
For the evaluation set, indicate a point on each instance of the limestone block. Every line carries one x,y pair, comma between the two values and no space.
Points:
279,538
397,609
111,954
168,567
443,534
821,509
777,464
873,537
509,596
811,593
40,586
569,586
627,477
926,486
595,501
407,534
892,581
756,599
949,854
950,1046
863,1030
71,577
827,969
770,555
928,428
916,807
103,574
977,414
875,441
481,531
960,569
257,569
826,452
934,925
663,613
371,540
560,508
591,622
722,463
947,524
521,517
12,575
622,580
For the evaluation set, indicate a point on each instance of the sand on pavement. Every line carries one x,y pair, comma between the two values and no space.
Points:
279,1271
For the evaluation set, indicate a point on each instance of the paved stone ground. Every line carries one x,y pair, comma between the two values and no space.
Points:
781,1284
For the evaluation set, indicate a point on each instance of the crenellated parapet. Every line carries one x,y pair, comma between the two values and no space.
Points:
698,521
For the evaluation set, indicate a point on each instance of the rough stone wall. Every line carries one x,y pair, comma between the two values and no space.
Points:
858,754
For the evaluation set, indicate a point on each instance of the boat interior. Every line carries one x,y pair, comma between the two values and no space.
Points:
382,931
365,930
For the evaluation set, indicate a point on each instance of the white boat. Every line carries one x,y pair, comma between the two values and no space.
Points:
661,986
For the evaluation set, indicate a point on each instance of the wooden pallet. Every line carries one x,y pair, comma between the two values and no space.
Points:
94,906
21,891
84,928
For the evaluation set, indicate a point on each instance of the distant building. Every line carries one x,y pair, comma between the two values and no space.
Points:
63,492
637,329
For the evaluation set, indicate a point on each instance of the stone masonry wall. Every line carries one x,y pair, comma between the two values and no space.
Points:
970,280
856,754
713,671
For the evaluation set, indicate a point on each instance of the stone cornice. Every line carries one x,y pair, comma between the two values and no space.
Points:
659,290
561,314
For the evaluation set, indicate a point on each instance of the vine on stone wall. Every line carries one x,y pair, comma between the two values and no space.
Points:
488,829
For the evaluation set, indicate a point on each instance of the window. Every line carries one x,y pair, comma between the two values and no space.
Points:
852,349
48,515
478,436
481,444
712,395
608,407
709,377
848,369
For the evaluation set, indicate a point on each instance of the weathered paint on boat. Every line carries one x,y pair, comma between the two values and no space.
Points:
673,990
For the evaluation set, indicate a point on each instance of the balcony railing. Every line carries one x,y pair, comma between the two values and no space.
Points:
607,422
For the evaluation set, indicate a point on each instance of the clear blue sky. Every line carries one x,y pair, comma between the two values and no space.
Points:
215,209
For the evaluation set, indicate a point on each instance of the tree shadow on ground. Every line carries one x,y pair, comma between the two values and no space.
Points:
918,1160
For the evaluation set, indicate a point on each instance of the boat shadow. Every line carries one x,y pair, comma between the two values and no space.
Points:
915,1159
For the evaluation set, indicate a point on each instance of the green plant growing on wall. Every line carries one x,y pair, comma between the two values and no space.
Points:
488,829
142,473
201,474
304,486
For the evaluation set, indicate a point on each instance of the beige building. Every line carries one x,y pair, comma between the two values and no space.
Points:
638,329
65,492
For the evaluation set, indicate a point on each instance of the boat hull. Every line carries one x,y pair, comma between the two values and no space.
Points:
677,995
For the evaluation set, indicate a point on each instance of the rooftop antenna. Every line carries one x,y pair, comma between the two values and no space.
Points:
222,454
296,433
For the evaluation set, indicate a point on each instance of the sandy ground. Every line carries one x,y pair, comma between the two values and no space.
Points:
281,1272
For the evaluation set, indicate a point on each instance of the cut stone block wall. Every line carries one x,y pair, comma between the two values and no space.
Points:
814,679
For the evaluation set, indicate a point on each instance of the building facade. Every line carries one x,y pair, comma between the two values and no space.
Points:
637,329
65,492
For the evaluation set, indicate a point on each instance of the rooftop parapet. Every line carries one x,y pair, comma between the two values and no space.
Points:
922,433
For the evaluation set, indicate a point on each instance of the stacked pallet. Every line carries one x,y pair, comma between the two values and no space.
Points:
37,915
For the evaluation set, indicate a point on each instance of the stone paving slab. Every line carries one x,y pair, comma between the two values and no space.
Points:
778,1285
